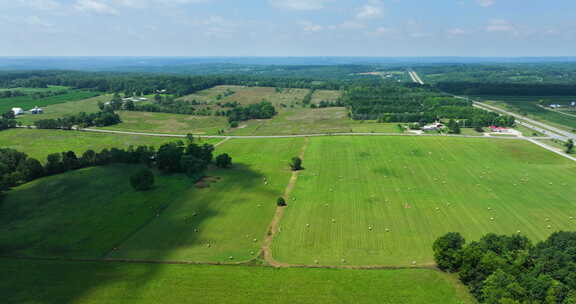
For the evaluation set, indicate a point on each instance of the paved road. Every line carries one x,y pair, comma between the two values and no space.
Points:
295,136
530,123
415,77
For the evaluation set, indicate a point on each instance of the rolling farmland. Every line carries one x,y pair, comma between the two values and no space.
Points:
384,200
225,222
28,102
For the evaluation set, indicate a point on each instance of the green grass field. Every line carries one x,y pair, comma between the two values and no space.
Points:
28,102
169,123
88,105
40,143
83,213
249,95
230,217
528,106
84,283
384,200
325,95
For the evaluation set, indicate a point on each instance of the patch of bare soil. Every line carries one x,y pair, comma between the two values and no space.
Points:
206,181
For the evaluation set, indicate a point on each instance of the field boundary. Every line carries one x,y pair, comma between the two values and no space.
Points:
266,251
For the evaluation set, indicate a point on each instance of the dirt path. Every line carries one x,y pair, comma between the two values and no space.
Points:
223,141
273,227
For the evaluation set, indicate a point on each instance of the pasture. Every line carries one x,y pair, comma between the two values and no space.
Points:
169,123
88,105
529,107
81,214
89,282
28,102
227,221
384,200
325,95
249,95
40,143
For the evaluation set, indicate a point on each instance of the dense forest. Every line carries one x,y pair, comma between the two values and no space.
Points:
395,103
510,269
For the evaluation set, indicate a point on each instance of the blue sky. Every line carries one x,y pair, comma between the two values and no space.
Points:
287,28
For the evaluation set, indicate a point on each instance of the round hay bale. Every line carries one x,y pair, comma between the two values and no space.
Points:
413,262
491,218
231,257
315,261
255,240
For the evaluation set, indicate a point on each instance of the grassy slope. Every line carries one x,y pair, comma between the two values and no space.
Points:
397,183
83,213
250,95
169,123
79,282
27,102
40,143
230,215
88,105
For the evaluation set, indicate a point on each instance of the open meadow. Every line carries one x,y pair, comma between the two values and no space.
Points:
40,143
227,221
249,95
81,214
384,200
169,123
89,282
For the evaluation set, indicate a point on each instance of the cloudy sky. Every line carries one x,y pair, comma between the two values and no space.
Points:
288,27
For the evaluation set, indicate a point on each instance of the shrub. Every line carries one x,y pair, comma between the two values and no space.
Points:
281,202
223,160
142,180
296,163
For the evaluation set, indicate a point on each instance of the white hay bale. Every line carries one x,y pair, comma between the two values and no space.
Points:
549,226
333,220
518,231
315,261
343,260
413,262
491,218
370,228
387,230
255,240
231,257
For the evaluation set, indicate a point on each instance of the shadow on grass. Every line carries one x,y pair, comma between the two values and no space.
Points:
129,225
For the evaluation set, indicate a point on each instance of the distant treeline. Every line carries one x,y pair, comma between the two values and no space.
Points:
507,89
178,157
143,84
34,95
502,269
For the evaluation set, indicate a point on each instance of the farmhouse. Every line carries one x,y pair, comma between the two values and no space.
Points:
17,111
433,127
499,129
37,110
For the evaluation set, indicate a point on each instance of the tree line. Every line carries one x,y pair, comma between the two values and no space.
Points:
177,157
82,120
502,269
507,89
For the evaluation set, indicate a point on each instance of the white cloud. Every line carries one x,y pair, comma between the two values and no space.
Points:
301,5
369,11
500,25
486,3
150,3
95,6
455,31
36,21
351,25
310,27
41,4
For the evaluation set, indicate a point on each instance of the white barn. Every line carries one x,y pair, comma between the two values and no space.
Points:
17,111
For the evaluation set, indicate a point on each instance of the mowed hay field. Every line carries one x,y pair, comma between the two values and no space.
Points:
28,102
86,282
325,95
82,213
40,143
249,95
169,123
384,200
227,221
